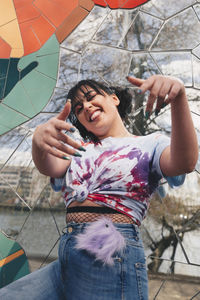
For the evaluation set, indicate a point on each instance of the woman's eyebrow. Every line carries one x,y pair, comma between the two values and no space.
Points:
89,92
80,99
86,94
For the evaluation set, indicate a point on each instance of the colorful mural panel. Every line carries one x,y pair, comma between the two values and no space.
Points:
30,34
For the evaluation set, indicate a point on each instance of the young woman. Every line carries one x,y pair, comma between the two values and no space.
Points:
106,184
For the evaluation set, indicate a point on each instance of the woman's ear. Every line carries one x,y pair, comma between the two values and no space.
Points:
115,99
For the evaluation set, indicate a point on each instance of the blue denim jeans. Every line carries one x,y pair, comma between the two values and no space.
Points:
76,275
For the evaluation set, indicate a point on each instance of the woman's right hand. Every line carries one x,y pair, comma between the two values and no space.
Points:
50,137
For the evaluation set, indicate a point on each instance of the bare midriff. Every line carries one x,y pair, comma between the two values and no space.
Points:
84,203
82,217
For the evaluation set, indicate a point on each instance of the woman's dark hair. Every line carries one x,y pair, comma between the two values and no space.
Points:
124,108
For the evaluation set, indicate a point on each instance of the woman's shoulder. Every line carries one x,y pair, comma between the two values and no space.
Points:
152,141
155,136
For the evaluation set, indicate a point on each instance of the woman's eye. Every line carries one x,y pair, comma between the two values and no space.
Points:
90,97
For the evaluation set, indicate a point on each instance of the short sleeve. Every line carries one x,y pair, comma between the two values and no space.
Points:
174,181
161,142
57,183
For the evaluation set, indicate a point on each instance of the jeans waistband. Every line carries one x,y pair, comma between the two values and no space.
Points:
79,227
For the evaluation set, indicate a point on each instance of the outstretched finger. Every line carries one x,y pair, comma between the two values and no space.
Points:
55,152
65,112
135,81
64,148
63,125
71,142
148,84
153,96
159,105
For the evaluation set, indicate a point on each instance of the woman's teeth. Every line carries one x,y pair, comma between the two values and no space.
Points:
95,115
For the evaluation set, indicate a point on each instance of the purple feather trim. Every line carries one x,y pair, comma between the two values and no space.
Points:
102,239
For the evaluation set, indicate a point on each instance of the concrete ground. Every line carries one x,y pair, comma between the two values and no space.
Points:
161,286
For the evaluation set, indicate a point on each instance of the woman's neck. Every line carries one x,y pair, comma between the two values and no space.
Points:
117,131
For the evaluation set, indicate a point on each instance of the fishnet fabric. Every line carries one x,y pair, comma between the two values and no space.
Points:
85,217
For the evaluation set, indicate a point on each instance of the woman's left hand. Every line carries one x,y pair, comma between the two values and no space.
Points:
163,90
182,154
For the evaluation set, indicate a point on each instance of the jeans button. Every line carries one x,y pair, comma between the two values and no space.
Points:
69,229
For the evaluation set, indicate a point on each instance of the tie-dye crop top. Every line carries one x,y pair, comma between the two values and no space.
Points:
121,173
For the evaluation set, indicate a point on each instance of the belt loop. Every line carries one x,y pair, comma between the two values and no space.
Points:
135,227
64,230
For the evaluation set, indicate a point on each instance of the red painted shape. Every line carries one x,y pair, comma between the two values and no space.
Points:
120,3
5,49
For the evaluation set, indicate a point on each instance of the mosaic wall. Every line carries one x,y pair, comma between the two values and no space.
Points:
42,55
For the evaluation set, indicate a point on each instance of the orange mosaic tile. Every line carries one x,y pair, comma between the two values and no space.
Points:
21,3
56,11
27,12
120,3
30,41
47,29
70,23
87,4
26,25
5,49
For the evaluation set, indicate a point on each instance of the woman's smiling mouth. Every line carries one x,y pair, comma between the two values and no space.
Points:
95,115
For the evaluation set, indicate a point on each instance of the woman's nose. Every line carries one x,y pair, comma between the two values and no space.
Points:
87,105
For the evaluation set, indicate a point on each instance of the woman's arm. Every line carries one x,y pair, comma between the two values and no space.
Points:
182,154
50,153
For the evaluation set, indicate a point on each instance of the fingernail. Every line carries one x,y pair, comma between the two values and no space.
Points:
72,129
157,112
81,148
147,114
69,100
65,157
77,154
163,104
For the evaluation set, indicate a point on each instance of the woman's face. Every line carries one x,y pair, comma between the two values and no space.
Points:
97,113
